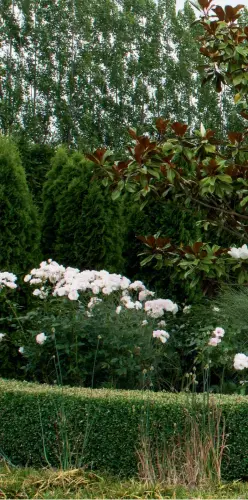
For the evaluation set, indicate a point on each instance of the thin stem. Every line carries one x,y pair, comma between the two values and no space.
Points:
213,207
94,365
16,317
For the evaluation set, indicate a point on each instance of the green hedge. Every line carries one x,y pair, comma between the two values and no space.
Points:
31,416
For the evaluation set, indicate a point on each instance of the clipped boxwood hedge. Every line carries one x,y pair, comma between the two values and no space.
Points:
104,426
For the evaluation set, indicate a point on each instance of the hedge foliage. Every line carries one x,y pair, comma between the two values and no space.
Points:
31,418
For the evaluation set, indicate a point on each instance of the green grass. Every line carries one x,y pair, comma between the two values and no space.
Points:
47,483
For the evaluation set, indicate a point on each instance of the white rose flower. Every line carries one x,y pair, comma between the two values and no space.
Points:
240,361
162,335
40,338
27,278
73,295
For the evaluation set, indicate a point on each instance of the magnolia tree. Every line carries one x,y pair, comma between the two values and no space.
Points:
195,169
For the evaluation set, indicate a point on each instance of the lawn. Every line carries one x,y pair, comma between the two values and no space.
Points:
46,483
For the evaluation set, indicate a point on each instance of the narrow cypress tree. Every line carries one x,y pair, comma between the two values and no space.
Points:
49,223
19,229
36,160
85,225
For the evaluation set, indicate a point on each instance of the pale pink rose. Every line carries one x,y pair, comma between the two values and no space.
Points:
214,341
219,332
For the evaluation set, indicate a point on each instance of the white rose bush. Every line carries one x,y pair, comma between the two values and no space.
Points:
77,317
80,319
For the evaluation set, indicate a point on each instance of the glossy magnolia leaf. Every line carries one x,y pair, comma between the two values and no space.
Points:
179,128
237,79
121,185
133,133
131,187
194,282
197,246
210,148
161,125
142,206
116,194
237,98
235,137
153,172
225,178
244,201
232,12
219,13
146,260
242,50
171,175
105,182
98,155
148,240
205,4
244,115
106,155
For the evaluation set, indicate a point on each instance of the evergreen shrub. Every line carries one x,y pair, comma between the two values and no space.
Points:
82,226
36,160
30,418
19,227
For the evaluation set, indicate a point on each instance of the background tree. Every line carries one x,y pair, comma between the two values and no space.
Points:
19,229
79,73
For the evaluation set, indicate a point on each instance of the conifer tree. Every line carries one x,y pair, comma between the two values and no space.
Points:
36,160
19,229
82,225
51,188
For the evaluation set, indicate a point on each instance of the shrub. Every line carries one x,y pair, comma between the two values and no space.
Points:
116,419
94,326
19,228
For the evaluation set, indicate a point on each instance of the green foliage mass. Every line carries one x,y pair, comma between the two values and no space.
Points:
104,427
82,226
19,228
169,220
36,159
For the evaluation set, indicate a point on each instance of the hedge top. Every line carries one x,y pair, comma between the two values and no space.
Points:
160,398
